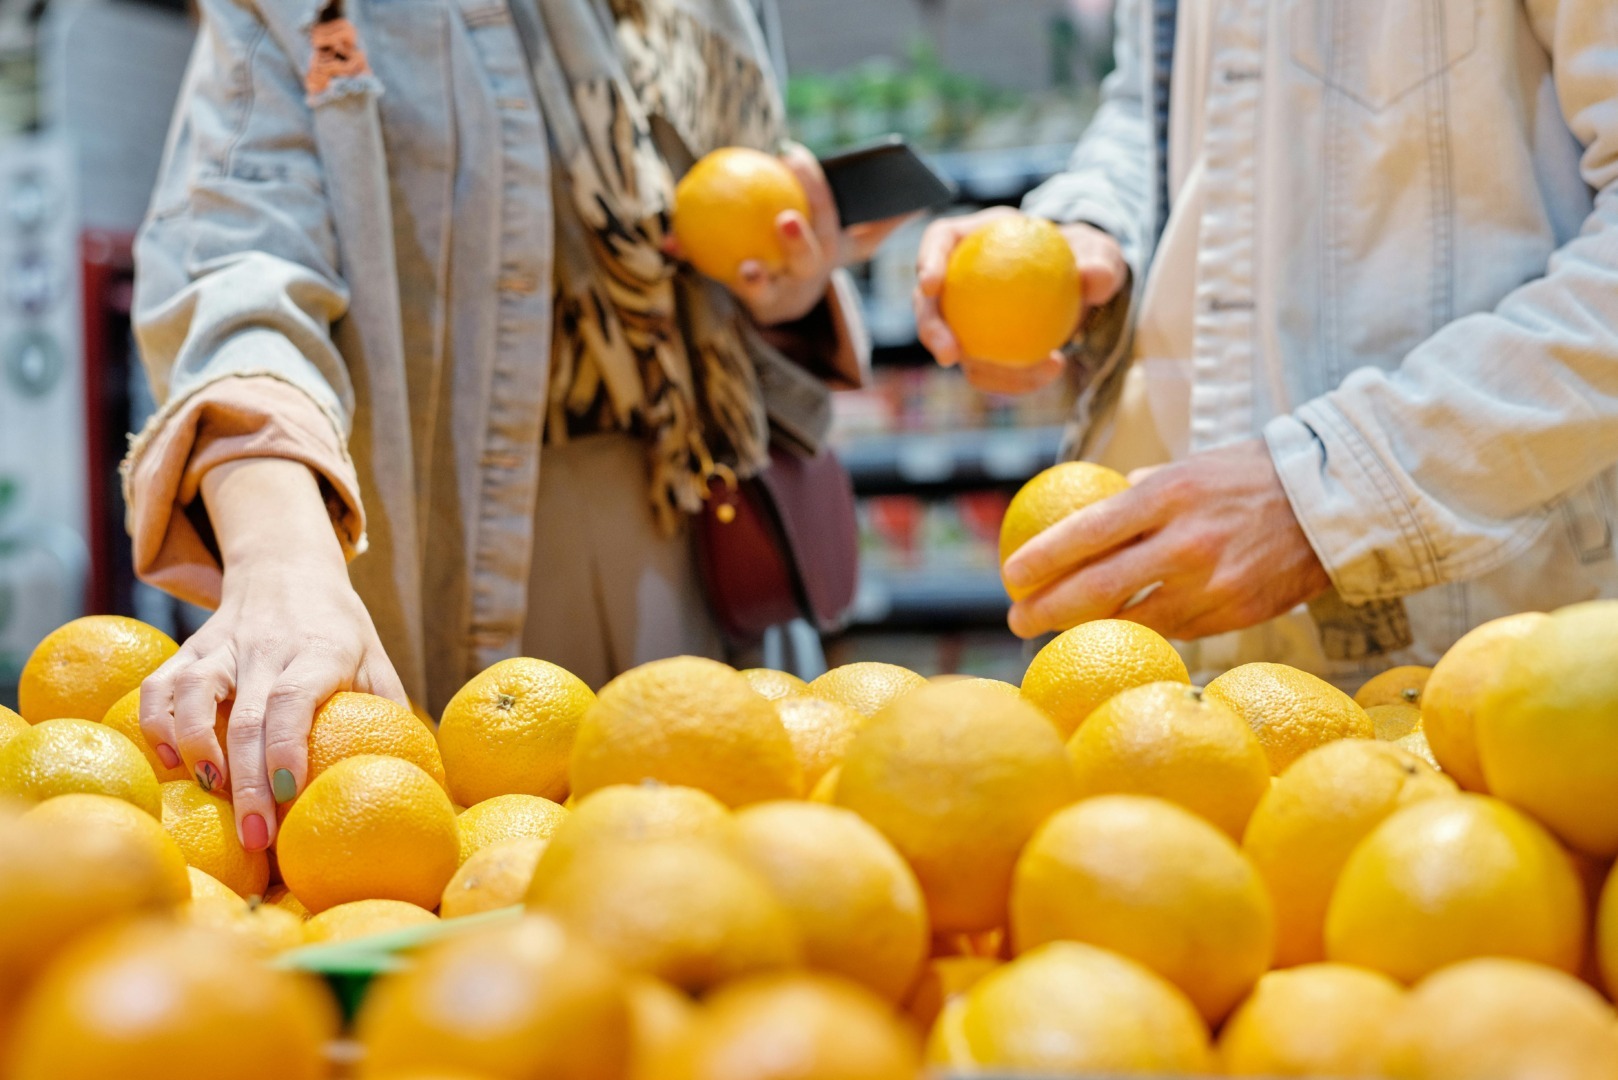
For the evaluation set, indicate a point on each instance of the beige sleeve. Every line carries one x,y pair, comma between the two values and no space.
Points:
228,420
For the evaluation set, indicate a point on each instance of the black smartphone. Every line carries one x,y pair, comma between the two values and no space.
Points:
883,179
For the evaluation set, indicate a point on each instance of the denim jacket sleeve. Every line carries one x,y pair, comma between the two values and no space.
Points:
1445,468
1109,181
236,266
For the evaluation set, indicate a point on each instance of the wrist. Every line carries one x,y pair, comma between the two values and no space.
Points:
269,513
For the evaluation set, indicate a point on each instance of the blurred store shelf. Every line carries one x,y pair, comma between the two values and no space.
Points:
905,461
927,598
988,176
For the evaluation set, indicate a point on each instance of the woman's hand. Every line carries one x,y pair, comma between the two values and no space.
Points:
290,631
1101,267
1212,537
814,247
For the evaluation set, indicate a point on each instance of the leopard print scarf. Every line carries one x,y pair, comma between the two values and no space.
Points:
640,342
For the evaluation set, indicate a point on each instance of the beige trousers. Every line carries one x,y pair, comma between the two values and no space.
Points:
607,590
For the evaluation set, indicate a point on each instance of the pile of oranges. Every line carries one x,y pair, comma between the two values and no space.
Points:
721,875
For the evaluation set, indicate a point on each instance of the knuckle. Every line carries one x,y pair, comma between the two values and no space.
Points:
291,696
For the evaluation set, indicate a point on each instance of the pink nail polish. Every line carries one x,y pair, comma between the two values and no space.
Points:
792,227
165,753
255,834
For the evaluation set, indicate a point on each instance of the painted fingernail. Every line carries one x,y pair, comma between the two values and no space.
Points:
165,753
209,778
255,834
283,786
792,227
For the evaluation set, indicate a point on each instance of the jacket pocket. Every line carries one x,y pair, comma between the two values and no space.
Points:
1378,51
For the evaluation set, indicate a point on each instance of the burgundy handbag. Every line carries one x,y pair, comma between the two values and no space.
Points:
781,546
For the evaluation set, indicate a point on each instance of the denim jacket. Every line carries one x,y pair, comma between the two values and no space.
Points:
1406,283
355,271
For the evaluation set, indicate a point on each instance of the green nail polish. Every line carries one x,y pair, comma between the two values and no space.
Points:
283,786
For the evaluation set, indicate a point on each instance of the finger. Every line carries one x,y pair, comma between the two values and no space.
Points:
1171,609
253,792
1098,590
198,690
1083,536
822,206
933,332
753,285
1101,280
377,676
1137,475
157,706
805,256
671,247
290,710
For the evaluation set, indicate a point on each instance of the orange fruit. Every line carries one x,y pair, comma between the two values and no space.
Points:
957,778
510,999
362,918
820,731
1166,739
1012,291
369,828
1547,726
124,718
1450,699
57,757
944,979
1312,818
1311,1021
685,911
856,903
660,1018
1292,711
791,1026
775,685
726,207
496,876
1415,744
1453,878
1080,669
1396,686
1505,1020
825,789
510,731
349,724
1048,498
1074,1009
686,721
507,817
1394,722
1607,933
280,896
11,725
867,687
204,825
263,928
83,667
155,997
73,863
636,813
1152,882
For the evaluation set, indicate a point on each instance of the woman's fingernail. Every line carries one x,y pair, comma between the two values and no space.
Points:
792,227
165,753
283,786
255,834
209,777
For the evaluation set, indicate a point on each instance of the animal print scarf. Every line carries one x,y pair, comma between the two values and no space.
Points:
640,340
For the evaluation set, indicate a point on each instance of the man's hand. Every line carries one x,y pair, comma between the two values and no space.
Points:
1101,268
1215,534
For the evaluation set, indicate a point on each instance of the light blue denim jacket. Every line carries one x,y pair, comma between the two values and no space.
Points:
1406,282
385,247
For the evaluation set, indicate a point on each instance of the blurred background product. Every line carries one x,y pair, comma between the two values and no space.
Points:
993,93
